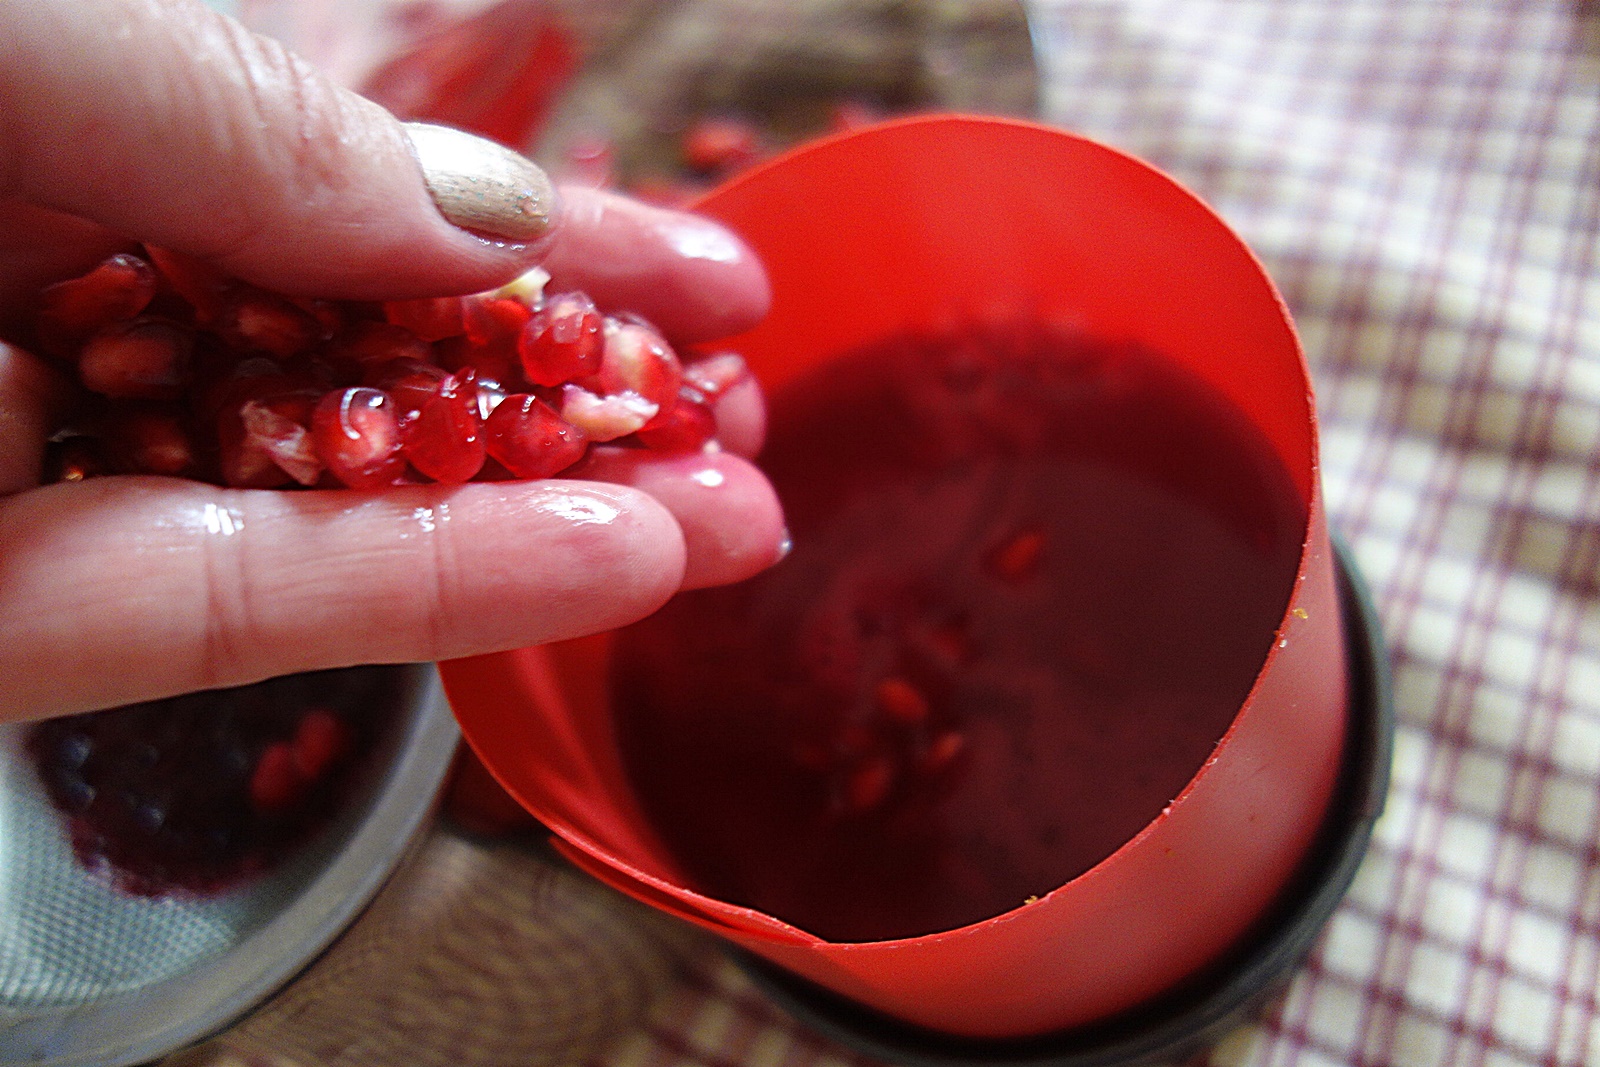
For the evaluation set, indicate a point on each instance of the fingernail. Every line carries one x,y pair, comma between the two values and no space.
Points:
481,186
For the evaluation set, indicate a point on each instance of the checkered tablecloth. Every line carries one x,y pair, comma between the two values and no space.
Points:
1422,180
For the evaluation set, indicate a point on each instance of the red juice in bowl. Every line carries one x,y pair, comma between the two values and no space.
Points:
1035,576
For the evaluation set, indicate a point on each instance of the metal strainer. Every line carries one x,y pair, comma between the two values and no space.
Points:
93,977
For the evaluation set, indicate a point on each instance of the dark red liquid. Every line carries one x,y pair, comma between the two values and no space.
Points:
1033,579
165,797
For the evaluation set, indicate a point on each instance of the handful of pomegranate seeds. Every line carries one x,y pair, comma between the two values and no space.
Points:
191,373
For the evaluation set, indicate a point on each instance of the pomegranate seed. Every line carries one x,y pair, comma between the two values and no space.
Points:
357,436
489,345
372,344
490,394
282,440
151,442
329,315
144,359
605,418
321,738
443,439
636,358
868,785
530,440
715,375
276,783
562,341
74,459
115,291
194,281
432,319
1018,557
684,427
255,320
721,144
942,752
251,445
901,701
250,378
493,319
410,383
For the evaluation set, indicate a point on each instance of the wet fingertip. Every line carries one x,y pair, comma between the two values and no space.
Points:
732,523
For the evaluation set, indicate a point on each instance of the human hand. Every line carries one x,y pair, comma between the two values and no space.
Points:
166,123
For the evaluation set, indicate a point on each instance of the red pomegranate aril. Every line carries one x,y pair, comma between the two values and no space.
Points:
357,436
145,359
721,143
490,394
443,438
321,739
868,785
117,290
194,281
151,442
253,320
281,439
329,314
527,438
562,341
606,418
261,431
497,360
260,378
941,753
1018,557
74,459
276,783
715,375
636,358
489,346
492,319
410,383
372,344
901,701
684,427
430,318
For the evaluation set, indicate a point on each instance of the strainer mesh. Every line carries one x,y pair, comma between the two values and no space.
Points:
68,938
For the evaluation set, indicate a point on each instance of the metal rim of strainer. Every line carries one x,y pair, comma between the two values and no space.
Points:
343,870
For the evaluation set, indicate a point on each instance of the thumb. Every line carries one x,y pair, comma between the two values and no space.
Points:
168,122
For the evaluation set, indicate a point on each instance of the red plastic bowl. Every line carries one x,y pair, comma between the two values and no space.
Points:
931,216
